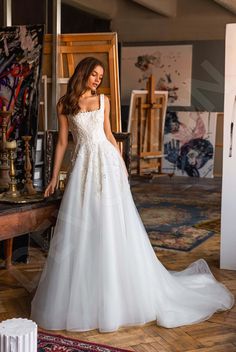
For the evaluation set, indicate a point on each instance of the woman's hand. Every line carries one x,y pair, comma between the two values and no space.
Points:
50,188
60,150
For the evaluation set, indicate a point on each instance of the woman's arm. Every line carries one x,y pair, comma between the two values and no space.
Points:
60,150
107,125
107,129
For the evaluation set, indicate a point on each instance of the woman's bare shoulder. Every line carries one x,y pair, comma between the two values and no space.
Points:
106,100
60,106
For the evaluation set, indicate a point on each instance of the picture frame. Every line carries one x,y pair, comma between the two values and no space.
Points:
72,48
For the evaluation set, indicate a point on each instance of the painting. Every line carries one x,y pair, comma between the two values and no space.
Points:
189,143
170,65
20,69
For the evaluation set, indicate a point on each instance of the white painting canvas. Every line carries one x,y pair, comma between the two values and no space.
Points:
170,65
189,143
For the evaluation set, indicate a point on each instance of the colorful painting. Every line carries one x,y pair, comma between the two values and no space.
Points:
20,69
189,143
170,65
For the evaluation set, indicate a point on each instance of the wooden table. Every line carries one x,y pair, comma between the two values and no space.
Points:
20,219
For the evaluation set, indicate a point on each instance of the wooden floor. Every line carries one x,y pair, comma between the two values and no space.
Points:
218,334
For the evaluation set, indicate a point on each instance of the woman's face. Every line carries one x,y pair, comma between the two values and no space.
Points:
174,126
194,158
95,78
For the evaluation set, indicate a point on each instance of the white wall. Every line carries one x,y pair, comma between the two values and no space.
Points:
195,20
228,210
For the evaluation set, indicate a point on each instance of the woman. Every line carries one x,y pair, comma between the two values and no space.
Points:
101,272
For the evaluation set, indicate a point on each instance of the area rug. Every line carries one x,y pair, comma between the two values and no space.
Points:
210,225
172,225
57,343
195,191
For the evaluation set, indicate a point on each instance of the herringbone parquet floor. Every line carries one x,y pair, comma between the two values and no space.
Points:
218,334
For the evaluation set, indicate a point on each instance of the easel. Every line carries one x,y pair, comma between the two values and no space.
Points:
147,133
71,49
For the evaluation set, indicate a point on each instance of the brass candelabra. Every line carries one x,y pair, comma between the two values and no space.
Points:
28,188
29,193
4,164
12,192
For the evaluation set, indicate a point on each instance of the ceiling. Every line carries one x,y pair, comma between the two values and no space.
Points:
167,8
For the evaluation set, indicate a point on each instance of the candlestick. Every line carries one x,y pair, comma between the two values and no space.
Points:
11,144
28,188
5,113
13,192
4,163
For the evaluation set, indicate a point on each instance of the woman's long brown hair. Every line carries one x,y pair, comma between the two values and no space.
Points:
77,85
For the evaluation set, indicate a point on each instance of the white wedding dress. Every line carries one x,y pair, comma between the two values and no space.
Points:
101,272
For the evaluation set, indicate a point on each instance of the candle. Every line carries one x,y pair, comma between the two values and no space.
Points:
11,144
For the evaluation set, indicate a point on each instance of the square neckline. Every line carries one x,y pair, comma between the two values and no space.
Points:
100,106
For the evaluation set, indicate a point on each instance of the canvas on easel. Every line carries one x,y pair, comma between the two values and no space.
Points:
151,152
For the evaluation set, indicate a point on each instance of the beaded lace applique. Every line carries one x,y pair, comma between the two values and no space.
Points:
92,147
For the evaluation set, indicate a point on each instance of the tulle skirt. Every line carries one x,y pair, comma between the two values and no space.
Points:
102,273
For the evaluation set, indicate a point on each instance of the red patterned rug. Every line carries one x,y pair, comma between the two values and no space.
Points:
57,343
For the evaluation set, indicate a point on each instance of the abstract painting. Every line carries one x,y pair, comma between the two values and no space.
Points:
189,143
170,65
20,69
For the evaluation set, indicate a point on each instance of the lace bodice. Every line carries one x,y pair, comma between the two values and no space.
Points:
87,127
97,156
87,130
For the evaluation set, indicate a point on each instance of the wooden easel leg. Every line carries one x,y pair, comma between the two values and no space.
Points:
8,253
139,136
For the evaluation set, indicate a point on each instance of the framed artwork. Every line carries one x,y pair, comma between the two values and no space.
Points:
72,48
189,143
171,65
158,117
21,49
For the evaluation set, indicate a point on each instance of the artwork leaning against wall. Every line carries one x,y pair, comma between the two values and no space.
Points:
171,65
189,143
20,71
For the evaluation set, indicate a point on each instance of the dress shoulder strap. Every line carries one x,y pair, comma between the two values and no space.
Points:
102,102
